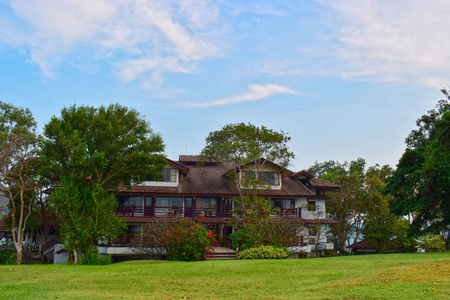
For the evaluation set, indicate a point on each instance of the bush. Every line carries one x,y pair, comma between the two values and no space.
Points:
278,232
188,240
7,254
263,252
432,243
179,239
92,258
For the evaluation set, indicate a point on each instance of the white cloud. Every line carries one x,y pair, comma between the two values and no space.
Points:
392,39
163,35
281,68
255,92
436,82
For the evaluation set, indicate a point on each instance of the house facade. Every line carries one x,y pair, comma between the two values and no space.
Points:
203,191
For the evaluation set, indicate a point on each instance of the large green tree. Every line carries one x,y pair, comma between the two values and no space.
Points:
89,152
18,158
421,183
360,206
248,147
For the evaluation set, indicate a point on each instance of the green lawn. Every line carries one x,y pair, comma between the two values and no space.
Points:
391,276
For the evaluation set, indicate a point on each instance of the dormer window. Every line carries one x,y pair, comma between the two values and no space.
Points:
269,178
169,175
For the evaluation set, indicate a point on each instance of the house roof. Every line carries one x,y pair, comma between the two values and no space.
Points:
210,179
183,169
319,183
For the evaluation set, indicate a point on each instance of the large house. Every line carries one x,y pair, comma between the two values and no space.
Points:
203,191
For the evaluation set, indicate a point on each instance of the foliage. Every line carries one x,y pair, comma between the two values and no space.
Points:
263,252
242,143
182,239
279,232
18,160
7,254
432,243
86,212
92,258
421,185
248,147
87,152
360,206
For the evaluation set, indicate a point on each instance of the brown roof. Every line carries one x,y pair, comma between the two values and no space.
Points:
195,159
319,183
211,179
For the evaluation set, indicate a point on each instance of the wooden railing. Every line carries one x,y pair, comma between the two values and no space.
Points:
121,241
192,212
188,212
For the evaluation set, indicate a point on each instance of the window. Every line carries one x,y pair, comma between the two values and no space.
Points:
311,205
125,200
168,205
269,178
207,206
169,174
283,203
167,202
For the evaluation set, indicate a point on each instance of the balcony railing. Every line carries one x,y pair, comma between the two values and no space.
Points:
191,212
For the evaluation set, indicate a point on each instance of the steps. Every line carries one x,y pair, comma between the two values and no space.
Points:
221,253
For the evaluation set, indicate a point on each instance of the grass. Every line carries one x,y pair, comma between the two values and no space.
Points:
391,276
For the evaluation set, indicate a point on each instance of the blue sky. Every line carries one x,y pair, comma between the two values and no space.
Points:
344,78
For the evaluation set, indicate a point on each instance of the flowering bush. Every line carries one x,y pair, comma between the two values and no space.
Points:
188,240
175,238
263,252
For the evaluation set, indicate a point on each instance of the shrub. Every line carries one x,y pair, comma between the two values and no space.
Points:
188,240
278,232
263,252
92,258
179,239
7,254
432,243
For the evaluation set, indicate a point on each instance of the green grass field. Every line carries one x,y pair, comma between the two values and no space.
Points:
391,276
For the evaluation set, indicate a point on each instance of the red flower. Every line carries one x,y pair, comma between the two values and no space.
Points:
269,236
256,242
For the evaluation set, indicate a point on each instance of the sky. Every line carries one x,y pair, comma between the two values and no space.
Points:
343,78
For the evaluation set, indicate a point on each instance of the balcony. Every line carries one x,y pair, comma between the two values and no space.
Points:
142,212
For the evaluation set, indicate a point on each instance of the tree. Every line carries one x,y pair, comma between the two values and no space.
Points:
360,206
421,185
248,146
381,227
346,204
18,157
89,152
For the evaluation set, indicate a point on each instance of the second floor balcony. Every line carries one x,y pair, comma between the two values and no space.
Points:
144,212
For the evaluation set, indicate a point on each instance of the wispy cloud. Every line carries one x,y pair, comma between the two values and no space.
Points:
139,37
392,39
255,92
281,68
